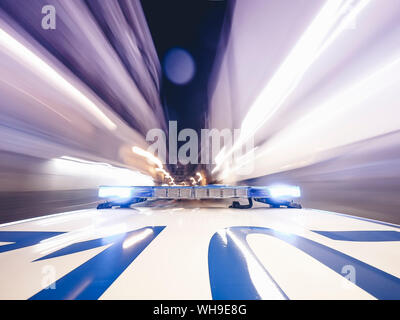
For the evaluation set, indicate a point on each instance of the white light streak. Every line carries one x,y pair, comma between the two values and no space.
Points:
148,155
329,23
44,70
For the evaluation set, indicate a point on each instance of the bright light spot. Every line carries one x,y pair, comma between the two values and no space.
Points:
115,192
55,243
262,282
179,66
222,234
148,155
284,191
200,176
132,240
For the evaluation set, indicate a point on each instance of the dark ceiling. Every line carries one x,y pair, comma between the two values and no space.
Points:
196,27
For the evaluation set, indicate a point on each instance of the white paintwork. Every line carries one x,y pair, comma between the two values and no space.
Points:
299,275
175,264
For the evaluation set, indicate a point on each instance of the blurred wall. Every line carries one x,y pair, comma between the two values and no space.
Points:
74,101
316,84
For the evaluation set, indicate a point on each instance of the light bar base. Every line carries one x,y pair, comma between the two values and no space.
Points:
127,204
278,203
235,204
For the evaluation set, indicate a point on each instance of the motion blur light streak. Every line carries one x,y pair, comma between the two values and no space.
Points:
309,47
351,11
36,99
54,78
343,108
102,172
74,90
85,161
148,156
320,98
296,64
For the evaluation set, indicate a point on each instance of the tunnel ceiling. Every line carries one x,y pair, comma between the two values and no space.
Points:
195,27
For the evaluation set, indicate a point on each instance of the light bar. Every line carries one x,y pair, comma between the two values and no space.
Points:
198,192
275,196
